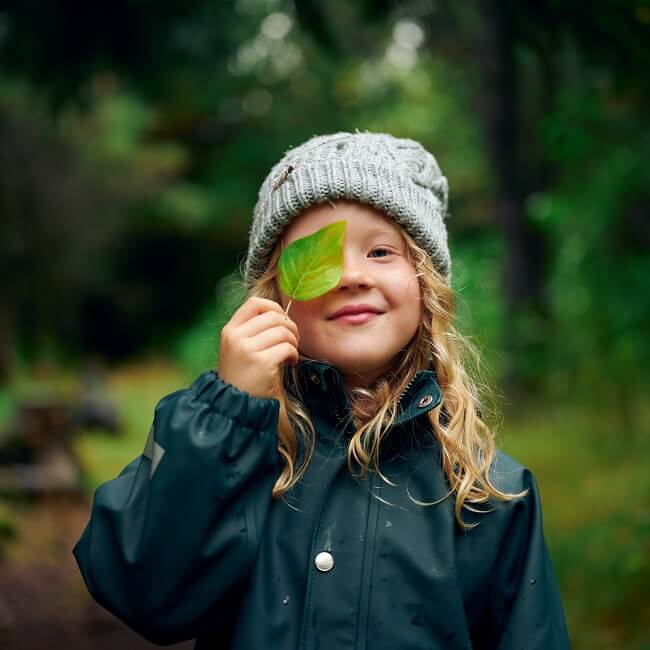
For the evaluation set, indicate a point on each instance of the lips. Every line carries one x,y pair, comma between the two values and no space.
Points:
356,319
355,310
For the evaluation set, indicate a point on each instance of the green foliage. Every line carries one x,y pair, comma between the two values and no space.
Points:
312,265
596,223
198,349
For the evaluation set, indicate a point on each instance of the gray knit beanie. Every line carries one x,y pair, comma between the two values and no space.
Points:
396,176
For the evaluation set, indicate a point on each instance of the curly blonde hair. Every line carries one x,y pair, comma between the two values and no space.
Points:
459,422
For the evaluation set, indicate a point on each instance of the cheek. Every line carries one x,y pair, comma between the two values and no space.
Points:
408,293
413,288
406,288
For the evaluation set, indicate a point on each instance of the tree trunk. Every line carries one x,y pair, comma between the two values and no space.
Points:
6,310
524,250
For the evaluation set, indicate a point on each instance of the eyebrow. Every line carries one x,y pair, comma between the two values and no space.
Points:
385,233
375,232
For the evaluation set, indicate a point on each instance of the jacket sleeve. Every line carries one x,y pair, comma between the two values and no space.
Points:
525,607
176,532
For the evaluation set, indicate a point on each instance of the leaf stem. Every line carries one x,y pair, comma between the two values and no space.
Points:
286,311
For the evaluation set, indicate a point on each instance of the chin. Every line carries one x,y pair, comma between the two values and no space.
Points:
358,366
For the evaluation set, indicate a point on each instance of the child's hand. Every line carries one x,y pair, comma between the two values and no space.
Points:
255,343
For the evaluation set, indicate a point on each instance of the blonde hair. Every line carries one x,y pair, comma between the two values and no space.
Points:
467,442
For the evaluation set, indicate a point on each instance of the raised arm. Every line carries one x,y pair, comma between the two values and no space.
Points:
176,531
170,541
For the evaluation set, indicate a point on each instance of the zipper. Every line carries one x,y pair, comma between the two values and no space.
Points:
416,376
367,569
338,408
408,386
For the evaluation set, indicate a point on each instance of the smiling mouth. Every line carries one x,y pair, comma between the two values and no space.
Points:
356,319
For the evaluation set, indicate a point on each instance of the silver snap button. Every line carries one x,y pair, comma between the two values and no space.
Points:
425,401
324,561
314,378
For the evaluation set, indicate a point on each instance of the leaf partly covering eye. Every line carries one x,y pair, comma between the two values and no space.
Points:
312,265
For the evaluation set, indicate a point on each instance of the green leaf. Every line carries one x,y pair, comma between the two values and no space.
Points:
312,265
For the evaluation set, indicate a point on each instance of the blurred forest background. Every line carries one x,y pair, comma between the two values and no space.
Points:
133,140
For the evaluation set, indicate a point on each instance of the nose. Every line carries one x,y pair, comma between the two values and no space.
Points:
355,276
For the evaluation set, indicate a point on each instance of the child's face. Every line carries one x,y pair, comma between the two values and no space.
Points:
376,272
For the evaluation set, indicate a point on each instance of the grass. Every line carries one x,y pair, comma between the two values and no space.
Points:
595,488
135,390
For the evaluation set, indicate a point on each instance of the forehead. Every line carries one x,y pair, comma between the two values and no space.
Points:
362,220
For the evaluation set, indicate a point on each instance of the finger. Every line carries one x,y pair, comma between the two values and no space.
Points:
269,319
252,307
283,352
270,337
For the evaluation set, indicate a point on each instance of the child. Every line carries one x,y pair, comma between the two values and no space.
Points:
333,484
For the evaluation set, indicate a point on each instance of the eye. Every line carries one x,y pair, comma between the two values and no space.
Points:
386,250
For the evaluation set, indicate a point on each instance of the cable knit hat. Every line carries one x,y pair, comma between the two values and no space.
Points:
394,175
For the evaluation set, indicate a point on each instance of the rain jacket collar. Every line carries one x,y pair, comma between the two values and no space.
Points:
325,393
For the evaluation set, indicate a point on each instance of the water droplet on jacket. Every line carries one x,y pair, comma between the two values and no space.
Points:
388,523
533,581
419,619
285,600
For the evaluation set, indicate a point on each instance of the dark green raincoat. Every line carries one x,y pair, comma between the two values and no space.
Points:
187,542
